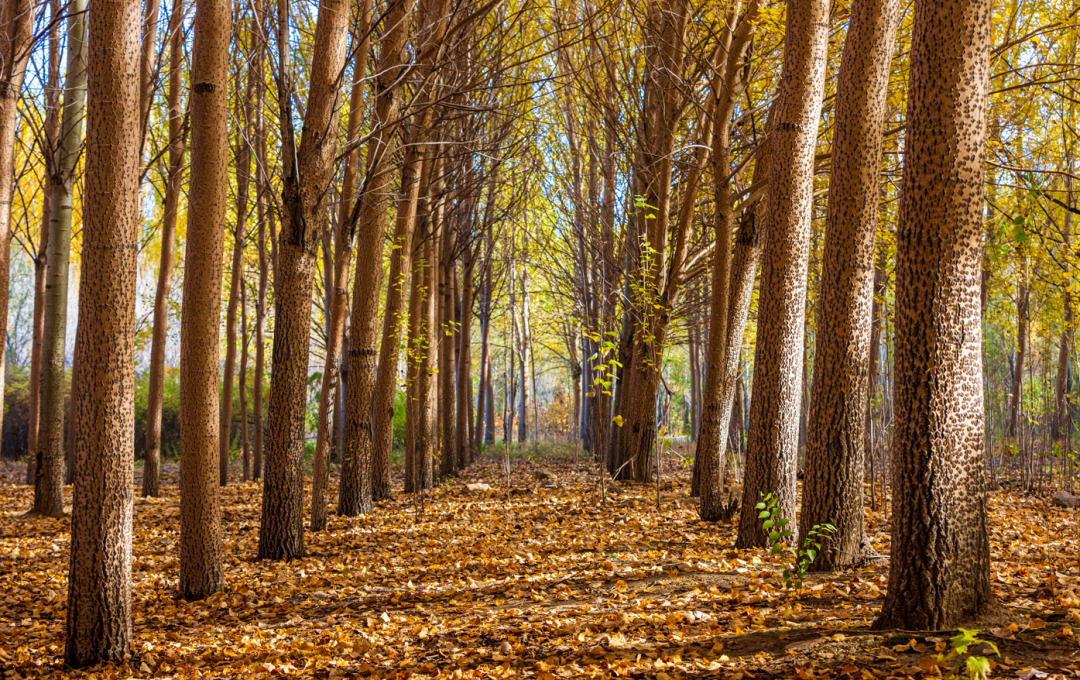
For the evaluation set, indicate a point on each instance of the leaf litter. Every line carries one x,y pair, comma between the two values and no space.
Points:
540,582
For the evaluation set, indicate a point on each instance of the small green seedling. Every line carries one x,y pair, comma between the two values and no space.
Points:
802,558
976,667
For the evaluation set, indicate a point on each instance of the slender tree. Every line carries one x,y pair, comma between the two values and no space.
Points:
262,199
939,496
717,396
49,143
305,185
99,580
158,338
16,36
833,486
365,475
339,296
775,401
201,570
242,155
49,486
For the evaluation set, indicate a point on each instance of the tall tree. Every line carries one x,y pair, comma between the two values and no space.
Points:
1023,321
16,36
99,580
49,143
200,507
340,294
305,185
363,476
719,380
833,485
159,335
939,496
262,199
775,401
49,486
242,155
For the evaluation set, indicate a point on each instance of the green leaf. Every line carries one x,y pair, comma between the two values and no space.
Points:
774,536
767,525
811,554
978,666
763,514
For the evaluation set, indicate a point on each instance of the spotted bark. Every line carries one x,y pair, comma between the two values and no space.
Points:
833,483
281,535
939,572
201,570
99,580
778,359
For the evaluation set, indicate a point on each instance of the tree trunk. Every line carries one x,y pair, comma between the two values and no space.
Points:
523,351
244,449
1062,410
876,319
365,476
242,153
16,35
444,332
281,533
833,482
723,343
774,405
339,294
420,429
201,571
462,447
156,393
262,196
49,144
939,496
99,580
1023,297
1061,423
376,457
49,484
484,403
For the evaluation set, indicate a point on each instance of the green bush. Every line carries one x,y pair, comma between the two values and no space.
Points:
170,414
16,429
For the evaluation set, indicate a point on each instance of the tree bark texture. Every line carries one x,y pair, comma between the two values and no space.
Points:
778,360
49,485
281,534
939,573
99,580
201,571
833,482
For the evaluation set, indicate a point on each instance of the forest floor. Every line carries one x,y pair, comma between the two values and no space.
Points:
545,582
